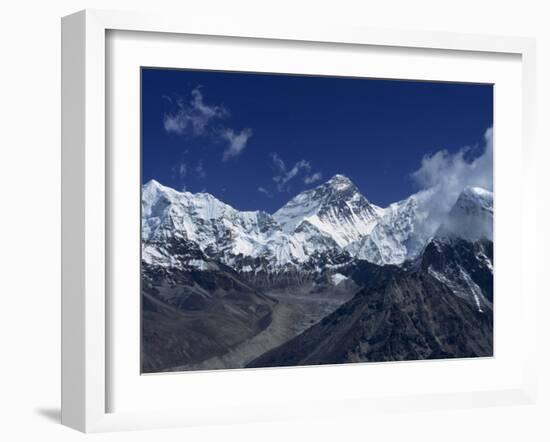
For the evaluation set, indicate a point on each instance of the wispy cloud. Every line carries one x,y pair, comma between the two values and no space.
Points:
265,191
195,118
180,170
278,162
289,175
284,174
310,179
237,142
201,172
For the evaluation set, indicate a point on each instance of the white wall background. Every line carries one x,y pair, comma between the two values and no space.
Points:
30,219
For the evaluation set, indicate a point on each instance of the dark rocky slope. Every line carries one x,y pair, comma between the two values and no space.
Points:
191,315
414,316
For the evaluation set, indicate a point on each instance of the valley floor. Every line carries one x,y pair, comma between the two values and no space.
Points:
294,313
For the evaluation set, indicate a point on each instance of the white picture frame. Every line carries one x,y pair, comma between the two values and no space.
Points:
86,205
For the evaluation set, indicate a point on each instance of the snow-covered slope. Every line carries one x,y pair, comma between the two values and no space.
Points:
224,233
216,279
396,237
218,229
407,226
336,208
471,218
202,218
320,227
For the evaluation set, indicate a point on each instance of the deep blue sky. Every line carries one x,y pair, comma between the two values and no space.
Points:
374,131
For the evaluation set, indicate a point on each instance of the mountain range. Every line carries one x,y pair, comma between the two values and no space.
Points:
330,277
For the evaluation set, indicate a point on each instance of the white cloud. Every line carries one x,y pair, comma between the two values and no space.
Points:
237,142
278,162
296,169
442,177
285,175
310,179
454,171
194,117
204,109
197,118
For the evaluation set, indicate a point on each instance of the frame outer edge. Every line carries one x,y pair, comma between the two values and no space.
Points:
83,188
73,79
337,33
95,222
530,210
83,343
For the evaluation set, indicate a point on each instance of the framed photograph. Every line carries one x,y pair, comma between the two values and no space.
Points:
309,270
262,222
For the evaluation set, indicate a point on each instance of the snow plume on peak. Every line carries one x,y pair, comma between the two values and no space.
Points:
471,217
478,196
443,176
454,172
407,226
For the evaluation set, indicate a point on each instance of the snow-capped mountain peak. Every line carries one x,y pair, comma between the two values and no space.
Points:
316,222
340,182
329,223
216,227
471,217
336,208
476,196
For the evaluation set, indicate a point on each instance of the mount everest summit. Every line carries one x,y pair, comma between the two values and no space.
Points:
223,288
